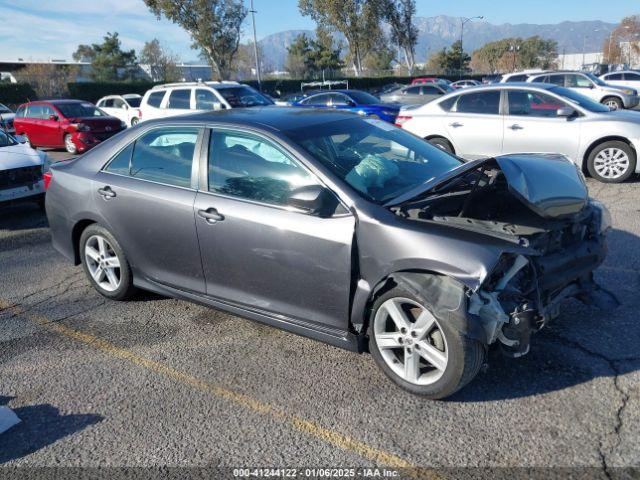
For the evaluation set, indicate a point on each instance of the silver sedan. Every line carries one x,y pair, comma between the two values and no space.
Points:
417,94
531,118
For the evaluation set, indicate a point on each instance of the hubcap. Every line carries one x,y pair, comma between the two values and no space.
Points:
103,263
611,163
410,341
612,104
71,147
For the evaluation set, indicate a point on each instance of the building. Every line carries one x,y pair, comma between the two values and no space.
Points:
575,61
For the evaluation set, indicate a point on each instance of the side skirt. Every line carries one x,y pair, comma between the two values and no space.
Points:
337,338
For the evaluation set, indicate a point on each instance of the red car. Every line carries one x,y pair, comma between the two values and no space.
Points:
71,124
419,80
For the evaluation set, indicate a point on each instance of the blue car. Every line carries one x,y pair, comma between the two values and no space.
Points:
354,101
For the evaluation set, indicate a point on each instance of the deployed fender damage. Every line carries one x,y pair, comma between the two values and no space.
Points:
541,207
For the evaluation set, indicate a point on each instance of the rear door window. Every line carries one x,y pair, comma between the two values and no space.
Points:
163,155
180,99
205,99
487,103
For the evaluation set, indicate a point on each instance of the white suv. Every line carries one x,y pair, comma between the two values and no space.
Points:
180,98
591,86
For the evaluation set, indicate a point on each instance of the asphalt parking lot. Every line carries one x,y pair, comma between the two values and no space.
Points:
161,382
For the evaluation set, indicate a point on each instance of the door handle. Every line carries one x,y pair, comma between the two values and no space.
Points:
106,192
211,215
456,124
515,126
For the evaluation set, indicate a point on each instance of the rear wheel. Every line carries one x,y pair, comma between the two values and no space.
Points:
441,143
105,264
614,103
612,162
418,351
69,145
134,121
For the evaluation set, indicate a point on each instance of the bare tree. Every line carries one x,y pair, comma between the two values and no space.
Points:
48,80
160,61
214,26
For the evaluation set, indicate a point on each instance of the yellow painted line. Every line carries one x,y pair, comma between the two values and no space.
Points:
310,428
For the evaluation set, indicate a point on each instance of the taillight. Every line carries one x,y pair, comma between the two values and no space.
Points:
401,119
47,179
139,114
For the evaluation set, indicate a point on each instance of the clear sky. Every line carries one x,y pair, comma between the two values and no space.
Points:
44,29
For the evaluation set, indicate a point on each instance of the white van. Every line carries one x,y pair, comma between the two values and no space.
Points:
181,98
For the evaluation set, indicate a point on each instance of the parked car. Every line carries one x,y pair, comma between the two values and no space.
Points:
341,228
6,119
356,101
518,76
420,80
417,94
74,125
21,170
125,107
591,86
625,78
465,84
389,87
186,97
489,79
537,118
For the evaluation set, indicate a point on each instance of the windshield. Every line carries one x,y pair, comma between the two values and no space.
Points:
79,110
378,160
579,99
6,140
363,98
134,102
244,97
595,79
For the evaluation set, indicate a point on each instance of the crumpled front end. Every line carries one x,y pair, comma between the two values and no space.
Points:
524,292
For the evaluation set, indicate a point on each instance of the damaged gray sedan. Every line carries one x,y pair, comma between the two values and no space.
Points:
344,229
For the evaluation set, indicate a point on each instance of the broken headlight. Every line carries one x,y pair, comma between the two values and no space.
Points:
604,217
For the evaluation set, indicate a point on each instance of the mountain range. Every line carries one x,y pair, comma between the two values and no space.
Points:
438,32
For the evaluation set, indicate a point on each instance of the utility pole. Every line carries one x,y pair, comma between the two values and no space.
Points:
464,20
255,46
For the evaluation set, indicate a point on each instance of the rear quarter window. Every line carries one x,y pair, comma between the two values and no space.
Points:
155,99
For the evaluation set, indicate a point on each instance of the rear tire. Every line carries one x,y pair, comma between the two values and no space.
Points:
614,103
105,263
443,359
612,162
442,143
134,121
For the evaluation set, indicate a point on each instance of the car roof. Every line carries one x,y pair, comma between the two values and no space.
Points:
271,117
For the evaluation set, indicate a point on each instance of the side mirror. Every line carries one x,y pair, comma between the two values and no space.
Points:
125,107
217,106
565,112
315,199
53,117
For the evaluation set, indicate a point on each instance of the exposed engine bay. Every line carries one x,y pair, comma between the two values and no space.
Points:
559,237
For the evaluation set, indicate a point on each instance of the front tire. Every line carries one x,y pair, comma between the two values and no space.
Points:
422,354
612,162
69,145
105,263
442,144
614,103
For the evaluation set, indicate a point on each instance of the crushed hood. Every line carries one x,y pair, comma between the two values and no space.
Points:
550,185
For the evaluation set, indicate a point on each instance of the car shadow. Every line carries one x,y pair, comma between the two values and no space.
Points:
40,426
22,215
583,344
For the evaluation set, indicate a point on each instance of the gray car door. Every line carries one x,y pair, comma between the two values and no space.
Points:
146,195
257,252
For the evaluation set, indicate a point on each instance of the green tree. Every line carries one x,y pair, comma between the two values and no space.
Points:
516,53
355,19
381,56
108,61
160,62
399,14
214,27
449,60
298,57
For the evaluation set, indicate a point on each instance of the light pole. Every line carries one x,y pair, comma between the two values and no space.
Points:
515,49
255,46
464,20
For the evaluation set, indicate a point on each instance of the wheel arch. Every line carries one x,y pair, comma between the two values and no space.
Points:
76,233
446,295
595,143
431,137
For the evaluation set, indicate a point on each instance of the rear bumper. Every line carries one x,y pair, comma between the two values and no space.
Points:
24,191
